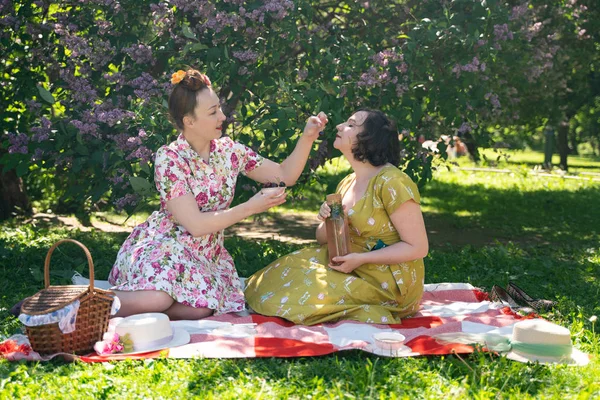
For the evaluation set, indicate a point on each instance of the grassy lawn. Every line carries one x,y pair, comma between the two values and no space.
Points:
487,228
503,158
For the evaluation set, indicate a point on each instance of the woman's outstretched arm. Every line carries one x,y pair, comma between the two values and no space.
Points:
290,169
186,212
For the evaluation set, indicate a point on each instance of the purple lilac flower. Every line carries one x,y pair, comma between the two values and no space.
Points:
33,106
474,66
9,20
384,57
247,56
401,89
162,15
103,53
140,54
127,143
5,5
142,153
80,87
115,180
111,116
37,155
222,20
493,98
78,46
464,128
533,30
320,156
302,74
128,199
124,175
502,33
519,11
18,143
104,26
115,78
42,132
146,87
86,128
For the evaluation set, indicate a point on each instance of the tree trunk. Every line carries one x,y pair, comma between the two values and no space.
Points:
574,142
548,147
14,199
563,144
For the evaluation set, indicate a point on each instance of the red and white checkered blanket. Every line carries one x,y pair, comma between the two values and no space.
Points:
445,308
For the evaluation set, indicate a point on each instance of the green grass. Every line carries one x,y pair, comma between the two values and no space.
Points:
510,158
544,233
516,206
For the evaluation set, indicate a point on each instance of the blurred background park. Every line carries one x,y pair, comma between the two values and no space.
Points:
498,106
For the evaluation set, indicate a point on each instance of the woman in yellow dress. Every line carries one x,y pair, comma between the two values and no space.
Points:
381,280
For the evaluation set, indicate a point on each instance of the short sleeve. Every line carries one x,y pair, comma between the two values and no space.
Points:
398,188
247,159
342,187
170,174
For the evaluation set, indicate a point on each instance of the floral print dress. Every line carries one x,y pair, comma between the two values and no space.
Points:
161,255
301,287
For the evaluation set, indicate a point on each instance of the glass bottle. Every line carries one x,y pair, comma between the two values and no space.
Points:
336,225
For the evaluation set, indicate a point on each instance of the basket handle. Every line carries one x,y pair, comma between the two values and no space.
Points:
87,254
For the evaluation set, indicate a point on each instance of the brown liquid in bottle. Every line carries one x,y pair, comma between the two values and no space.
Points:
336,226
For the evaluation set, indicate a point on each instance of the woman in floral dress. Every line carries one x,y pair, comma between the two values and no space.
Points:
382,279
175,262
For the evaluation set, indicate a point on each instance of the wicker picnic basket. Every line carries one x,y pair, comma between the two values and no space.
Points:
92,317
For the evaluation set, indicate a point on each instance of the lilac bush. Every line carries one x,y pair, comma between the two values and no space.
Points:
86,82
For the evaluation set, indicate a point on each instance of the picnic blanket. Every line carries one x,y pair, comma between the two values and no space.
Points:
445,308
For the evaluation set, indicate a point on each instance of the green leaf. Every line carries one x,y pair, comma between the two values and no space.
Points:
187,32
99,190
140,185
144,166
22,168
192,47
46,95
83,150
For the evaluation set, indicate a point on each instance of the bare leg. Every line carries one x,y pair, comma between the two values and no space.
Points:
143,301
179,311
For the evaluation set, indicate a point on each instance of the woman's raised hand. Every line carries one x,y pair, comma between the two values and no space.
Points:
314,125
266,198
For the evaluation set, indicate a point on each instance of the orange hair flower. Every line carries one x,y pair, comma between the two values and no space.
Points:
178,77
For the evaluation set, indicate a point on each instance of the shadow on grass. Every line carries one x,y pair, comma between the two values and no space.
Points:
544,216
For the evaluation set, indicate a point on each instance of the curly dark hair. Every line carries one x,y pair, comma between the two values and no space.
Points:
378,143
182,100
